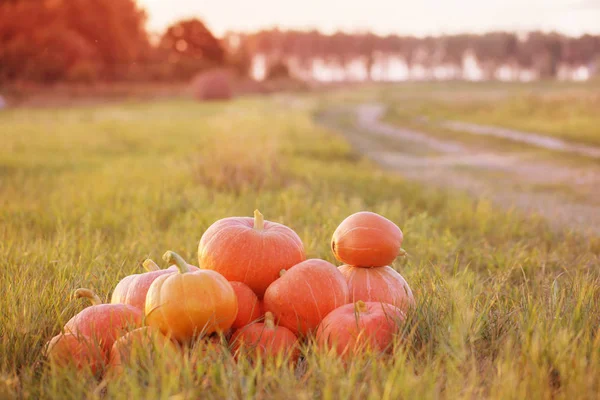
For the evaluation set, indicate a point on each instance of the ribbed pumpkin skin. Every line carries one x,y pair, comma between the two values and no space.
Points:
249,309
143,343
265,340
366,239
76,351
185,305
240,253
132,289
104,323
381,285
348,332
305,294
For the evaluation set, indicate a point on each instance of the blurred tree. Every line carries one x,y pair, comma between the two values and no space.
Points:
239,56
190,48
50,40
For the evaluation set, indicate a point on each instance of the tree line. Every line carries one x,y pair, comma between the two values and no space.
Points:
106,40
543,52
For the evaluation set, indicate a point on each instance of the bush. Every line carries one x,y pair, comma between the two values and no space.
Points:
213,85
279,70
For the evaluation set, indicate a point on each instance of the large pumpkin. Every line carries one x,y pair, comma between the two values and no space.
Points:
359,327
366,239
252,251
132,289
381,284
265,340
188,304
103,323
248,305
305,294
142,347
67,349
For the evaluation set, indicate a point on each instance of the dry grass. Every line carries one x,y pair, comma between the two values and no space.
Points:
506,308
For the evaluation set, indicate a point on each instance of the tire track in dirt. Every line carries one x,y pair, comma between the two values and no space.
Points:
567,196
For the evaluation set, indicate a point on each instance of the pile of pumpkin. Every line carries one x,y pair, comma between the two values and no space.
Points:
254,287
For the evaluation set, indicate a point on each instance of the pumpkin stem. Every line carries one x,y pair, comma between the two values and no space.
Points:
173,258
282,272
150,265
88,294
269,320
259,221
360,306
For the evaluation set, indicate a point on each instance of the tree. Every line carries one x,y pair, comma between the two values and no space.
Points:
190,48
52,40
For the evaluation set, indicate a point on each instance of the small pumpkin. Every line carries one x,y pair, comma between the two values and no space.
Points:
103,323
362,326
264,340
142,347
67,349
380,284
366,239
305,294
132,289
188,304
252,251
248,305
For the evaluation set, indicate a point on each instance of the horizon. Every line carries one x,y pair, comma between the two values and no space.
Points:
427,18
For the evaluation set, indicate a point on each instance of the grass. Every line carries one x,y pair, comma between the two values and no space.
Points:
569,115
507,308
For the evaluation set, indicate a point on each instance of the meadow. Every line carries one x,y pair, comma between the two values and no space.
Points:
507,308
564,110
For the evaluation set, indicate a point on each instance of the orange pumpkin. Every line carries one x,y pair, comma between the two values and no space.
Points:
132,289
381,285
188,304
265,340
366,239
305,294
143,346
103,323
248,305
80,352
252,251
361,326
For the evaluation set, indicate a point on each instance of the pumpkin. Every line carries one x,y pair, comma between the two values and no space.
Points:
305,294
381,284
67,349
252,251
132,289
188,304
264,340
366,239
261,306
103,323
142,347
248,306
362,326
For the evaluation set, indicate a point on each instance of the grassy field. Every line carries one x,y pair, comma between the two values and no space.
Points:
506,307
567,111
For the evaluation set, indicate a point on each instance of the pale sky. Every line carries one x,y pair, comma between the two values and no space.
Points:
416,17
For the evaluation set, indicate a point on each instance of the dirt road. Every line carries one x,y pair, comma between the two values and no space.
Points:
566,194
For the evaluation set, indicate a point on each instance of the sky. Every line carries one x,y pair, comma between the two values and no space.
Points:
407,17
